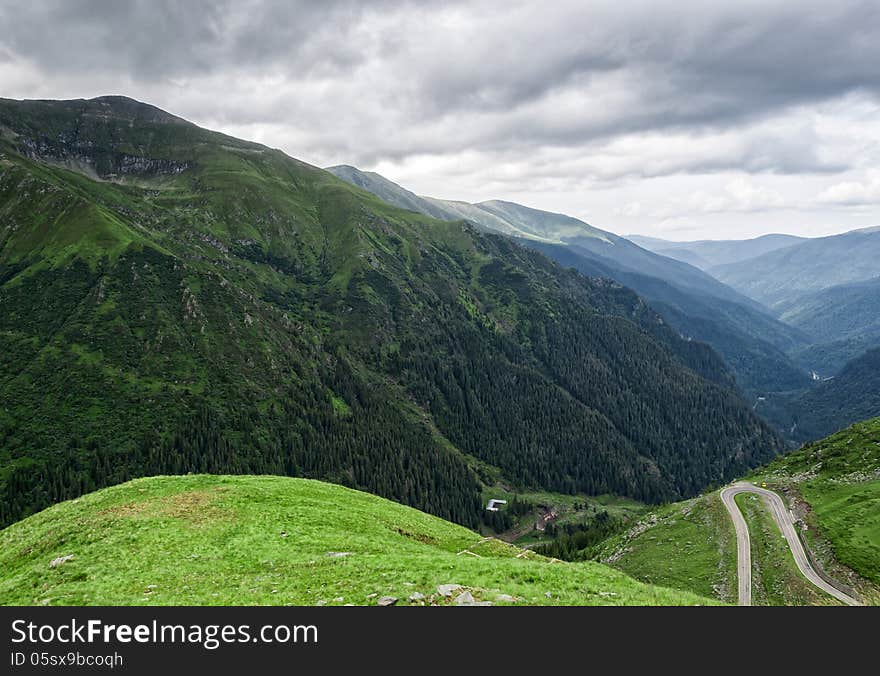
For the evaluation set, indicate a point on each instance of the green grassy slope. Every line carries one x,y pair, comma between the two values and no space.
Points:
212,540
832,486
174,300
776,580
687,545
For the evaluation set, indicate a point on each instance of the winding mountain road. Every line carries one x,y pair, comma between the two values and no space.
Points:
785,522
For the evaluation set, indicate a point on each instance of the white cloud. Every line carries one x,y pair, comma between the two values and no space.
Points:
634,116
864,192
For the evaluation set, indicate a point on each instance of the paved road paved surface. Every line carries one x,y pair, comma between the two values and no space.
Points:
786,525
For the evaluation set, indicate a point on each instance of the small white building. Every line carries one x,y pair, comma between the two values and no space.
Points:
493,505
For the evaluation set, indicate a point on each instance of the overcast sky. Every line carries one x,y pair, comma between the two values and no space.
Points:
674,119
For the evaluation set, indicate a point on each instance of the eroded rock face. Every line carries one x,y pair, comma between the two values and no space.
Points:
105,162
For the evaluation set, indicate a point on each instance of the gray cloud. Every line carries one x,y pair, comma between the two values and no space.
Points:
577,93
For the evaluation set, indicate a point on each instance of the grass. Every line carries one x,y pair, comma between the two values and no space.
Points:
223,540
776,580
849,516
834,485
687,545
572,510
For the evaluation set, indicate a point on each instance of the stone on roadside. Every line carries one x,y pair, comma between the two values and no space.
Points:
54,563
447,589
465,599
387,601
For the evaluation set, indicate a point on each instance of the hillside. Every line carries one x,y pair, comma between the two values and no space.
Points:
842,321
834,485
387,190
536,226
708,253
833,488
806,267
752,343
175,300
693,303
221,540
447,210
852,395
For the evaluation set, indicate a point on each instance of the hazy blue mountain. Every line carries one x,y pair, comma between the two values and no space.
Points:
842,322
753,344
851,396
692,302
844,311
708,253
780,276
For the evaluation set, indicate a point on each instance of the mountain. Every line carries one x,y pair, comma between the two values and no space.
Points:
167,541
175,300
546,228
448,210
816,264
752,343
612,250
706,254
547,225
692,302
387,190
842,321
850,396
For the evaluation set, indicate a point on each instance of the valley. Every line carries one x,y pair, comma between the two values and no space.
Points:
218,306
788,315
204,340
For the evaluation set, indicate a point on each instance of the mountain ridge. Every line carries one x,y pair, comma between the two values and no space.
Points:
694,303
806,267
218,306
709,253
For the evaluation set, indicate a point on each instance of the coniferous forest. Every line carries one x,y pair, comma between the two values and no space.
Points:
173,300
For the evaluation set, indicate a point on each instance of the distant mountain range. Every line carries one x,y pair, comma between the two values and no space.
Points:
843,322
690,300
805,267
707,254
828,289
